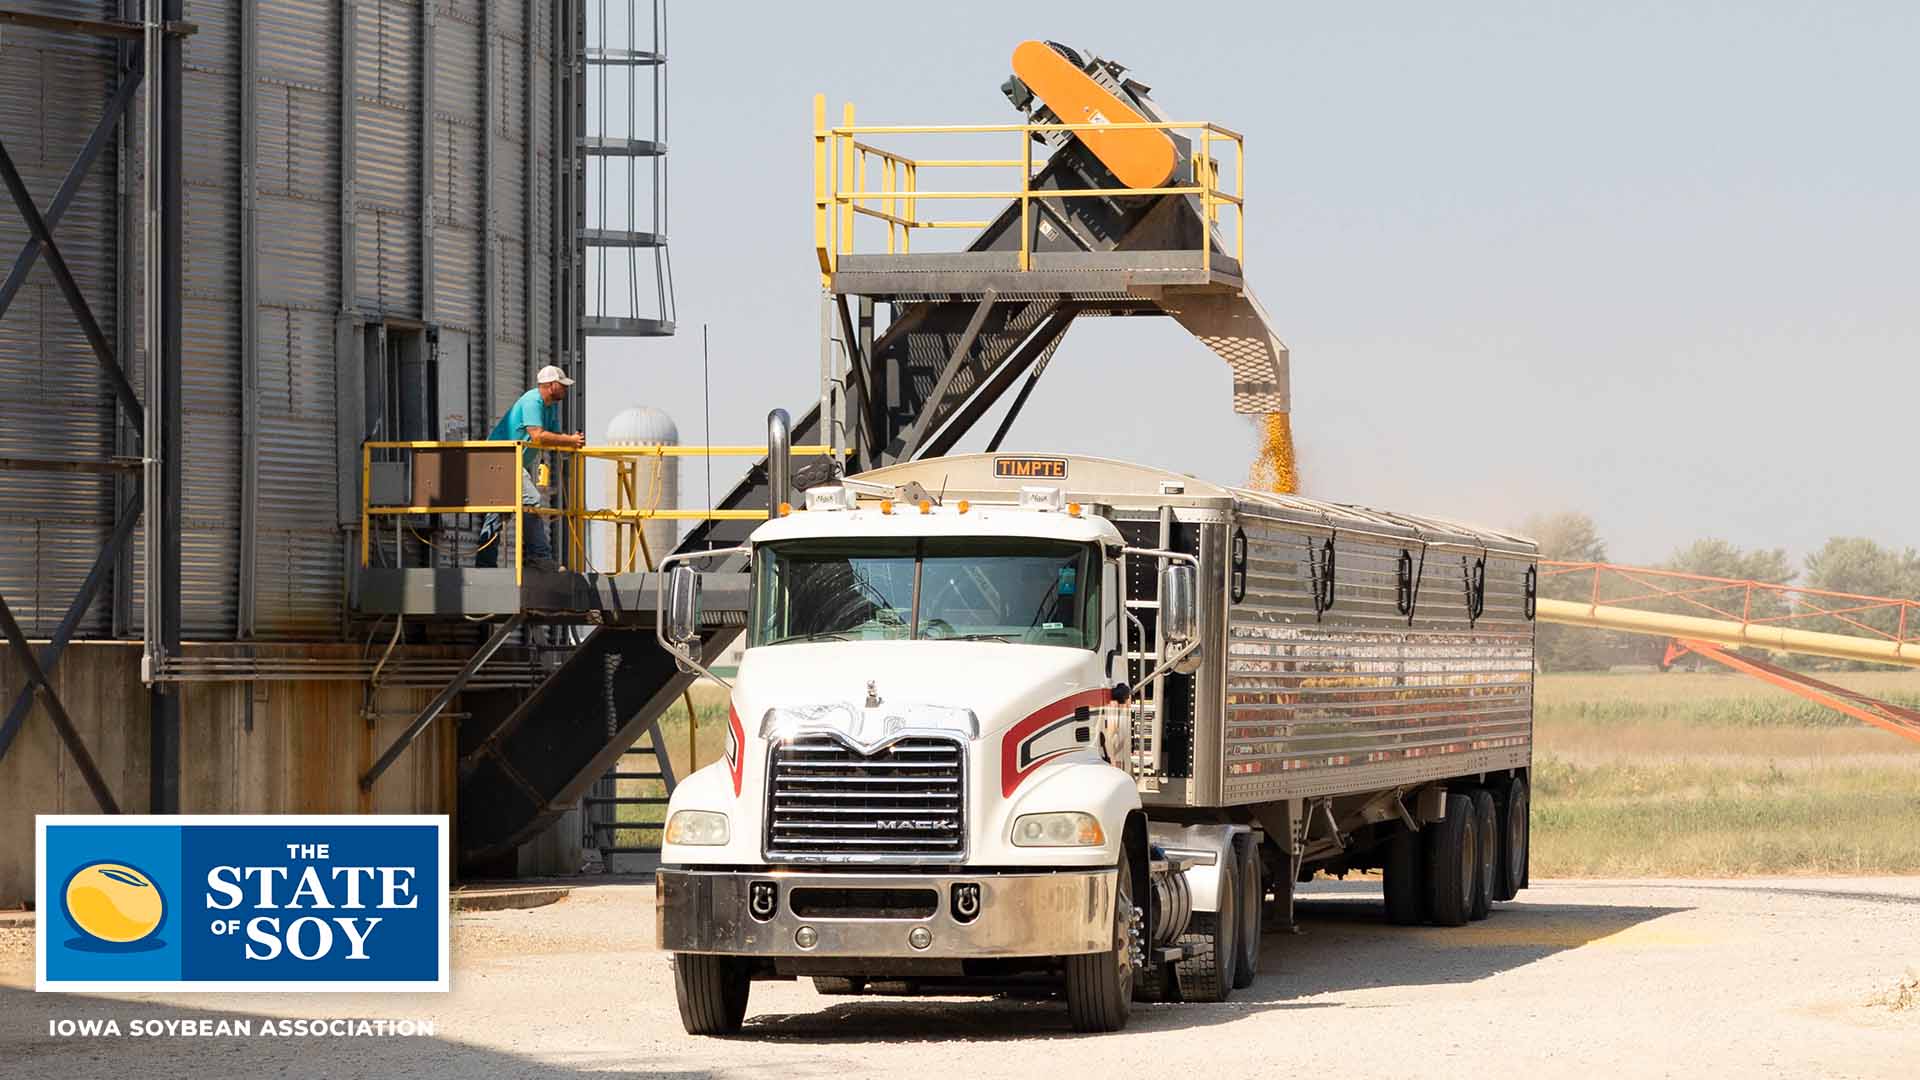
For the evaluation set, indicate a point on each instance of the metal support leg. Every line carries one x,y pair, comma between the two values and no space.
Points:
958,357
440,701
102,566
61,721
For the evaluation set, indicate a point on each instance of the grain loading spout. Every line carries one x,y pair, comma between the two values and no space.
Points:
1113,208
1054,85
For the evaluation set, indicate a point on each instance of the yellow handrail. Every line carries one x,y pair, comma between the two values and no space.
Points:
577,512
843,191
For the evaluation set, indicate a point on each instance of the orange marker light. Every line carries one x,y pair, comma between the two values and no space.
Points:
963,506
1073,509
785,509
926,507
886,506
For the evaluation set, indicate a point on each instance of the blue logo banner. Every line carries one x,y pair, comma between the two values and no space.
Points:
243,902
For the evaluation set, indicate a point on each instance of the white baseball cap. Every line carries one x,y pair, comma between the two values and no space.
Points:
552,374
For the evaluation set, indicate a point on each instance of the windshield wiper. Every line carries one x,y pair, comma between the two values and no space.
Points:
974,637
819,635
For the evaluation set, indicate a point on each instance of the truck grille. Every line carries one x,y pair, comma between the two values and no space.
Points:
828,802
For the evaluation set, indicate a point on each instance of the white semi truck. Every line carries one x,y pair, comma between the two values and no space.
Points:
1016,716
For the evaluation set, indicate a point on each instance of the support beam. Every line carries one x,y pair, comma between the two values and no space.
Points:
108,123
103,565
931,407
1884,715
63,275
440,701
36,678
165,519
1032,353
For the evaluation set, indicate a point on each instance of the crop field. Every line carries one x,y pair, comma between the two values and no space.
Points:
1710,775
1654,774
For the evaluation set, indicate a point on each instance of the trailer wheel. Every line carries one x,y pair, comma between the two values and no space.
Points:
838,985
1514,826
712,991
1453,856
1100,985
1247,956
1405,879
1486,827
1208,975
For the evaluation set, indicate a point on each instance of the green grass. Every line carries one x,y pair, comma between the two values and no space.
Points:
1719,775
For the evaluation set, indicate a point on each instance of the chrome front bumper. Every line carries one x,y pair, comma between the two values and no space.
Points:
1043,914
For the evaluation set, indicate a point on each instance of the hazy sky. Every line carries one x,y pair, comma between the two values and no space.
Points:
1656,262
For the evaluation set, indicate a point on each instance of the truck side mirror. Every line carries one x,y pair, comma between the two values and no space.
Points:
683,605
1179,612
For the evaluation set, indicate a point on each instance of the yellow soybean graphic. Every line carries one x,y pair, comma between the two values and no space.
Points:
114,902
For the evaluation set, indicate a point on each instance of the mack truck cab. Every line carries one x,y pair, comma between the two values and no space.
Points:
930,773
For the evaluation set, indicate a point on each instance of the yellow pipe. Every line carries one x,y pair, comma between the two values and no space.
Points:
1729,632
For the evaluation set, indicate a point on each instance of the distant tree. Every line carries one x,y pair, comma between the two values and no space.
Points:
1714,557
1569,537
1566,537
1855,564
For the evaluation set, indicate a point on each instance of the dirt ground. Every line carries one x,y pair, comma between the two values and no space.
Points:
1784,977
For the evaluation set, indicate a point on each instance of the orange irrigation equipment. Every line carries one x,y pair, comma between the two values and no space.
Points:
1749,603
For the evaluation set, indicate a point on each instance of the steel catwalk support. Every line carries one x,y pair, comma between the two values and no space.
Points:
440,700
955,360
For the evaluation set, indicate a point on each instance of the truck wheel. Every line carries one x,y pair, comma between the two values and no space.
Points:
1486,828
1405,879
712,991
1512,875
1208,976
1247,956
1453,857
1100,985
838,985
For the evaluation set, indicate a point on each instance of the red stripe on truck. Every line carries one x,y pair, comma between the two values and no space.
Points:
1011,774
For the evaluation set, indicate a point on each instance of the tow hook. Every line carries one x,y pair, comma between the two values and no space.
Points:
966,902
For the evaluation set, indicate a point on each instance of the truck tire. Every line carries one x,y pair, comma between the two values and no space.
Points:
1452,857
1514,834
1100,985
838,985
1486,823
1154,984
1206,974
712,991
1247,957
1405,879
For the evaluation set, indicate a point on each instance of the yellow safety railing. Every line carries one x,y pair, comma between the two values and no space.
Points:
844,163
577,512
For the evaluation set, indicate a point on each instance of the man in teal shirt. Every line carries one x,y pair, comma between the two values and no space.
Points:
533,418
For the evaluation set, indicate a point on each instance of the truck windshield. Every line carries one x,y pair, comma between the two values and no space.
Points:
1039,592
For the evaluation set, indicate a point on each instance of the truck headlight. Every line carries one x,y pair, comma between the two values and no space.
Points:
699,828
1067,828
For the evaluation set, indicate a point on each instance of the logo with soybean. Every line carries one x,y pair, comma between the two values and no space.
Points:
240,903
116,907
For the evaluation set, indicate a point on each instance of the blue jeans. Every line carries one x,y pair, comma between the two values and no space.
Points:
493,533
